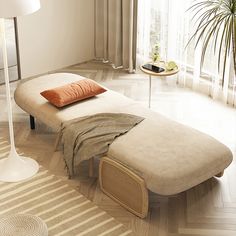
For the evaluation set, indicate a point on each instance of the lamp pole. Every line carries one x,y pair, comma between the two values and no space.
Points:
14,168
6,75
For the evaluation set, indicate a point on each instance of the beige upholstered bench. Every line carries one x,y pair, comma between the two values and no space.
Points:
158,154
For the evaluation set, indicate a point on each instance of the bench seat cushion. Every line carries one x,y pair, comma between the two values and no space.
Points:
27,96
171,157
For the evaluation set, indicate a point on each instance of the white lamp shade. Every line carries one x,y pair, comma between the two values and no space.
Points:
13,8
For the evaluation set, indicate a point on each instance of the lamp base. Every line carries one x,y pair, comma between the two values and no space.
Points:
16,168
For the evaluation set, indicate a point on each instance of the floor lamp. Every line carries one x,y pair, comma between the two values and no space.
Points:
14,168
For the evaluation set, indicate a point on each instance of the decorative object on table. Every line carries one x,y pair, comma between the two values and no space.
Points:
22,225
216,26
171,65
156,57
14,168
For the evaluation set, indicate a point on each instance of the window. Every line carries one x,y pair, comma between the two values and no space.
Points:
168,23
171,27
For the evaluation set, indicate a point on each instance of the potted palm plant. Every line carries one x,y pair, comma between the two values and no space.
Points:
216,26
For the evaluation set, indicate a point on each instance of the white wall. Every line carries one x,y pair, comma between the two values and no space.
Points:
61,33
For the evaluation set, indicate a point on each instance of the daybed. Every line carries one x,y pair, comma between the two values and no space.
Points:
159,154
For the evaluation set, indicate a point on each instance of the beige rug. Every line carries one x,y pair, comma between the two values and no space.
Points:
65,211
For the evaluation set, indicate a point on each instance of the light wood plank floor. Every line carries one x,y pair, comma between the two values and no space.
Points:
208,209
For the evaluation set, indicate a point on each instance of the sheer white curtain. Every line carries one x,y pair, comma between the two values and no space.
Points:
168,23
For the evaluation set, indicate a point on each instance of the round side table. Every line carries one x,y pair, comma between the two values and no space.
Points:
161,74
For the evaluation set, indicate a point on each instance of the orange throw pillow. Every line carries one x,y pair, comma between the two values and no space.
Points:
70,93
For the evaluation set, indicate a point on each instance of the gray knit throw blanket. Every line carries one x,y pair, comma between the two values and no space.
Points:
90,136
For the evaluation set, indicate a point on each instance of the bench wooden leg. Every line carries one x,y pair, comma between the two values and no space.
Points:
220,174
32,122
124,186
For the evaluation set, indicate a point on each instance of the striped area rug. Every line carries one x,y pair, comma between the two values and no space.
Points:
65,211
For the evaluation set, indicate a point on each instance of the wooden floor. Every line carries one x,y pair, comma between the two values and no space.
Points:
208,209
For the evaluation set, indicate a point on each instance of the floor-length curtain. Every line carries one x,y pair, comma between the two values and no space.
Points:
168,23
116,32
